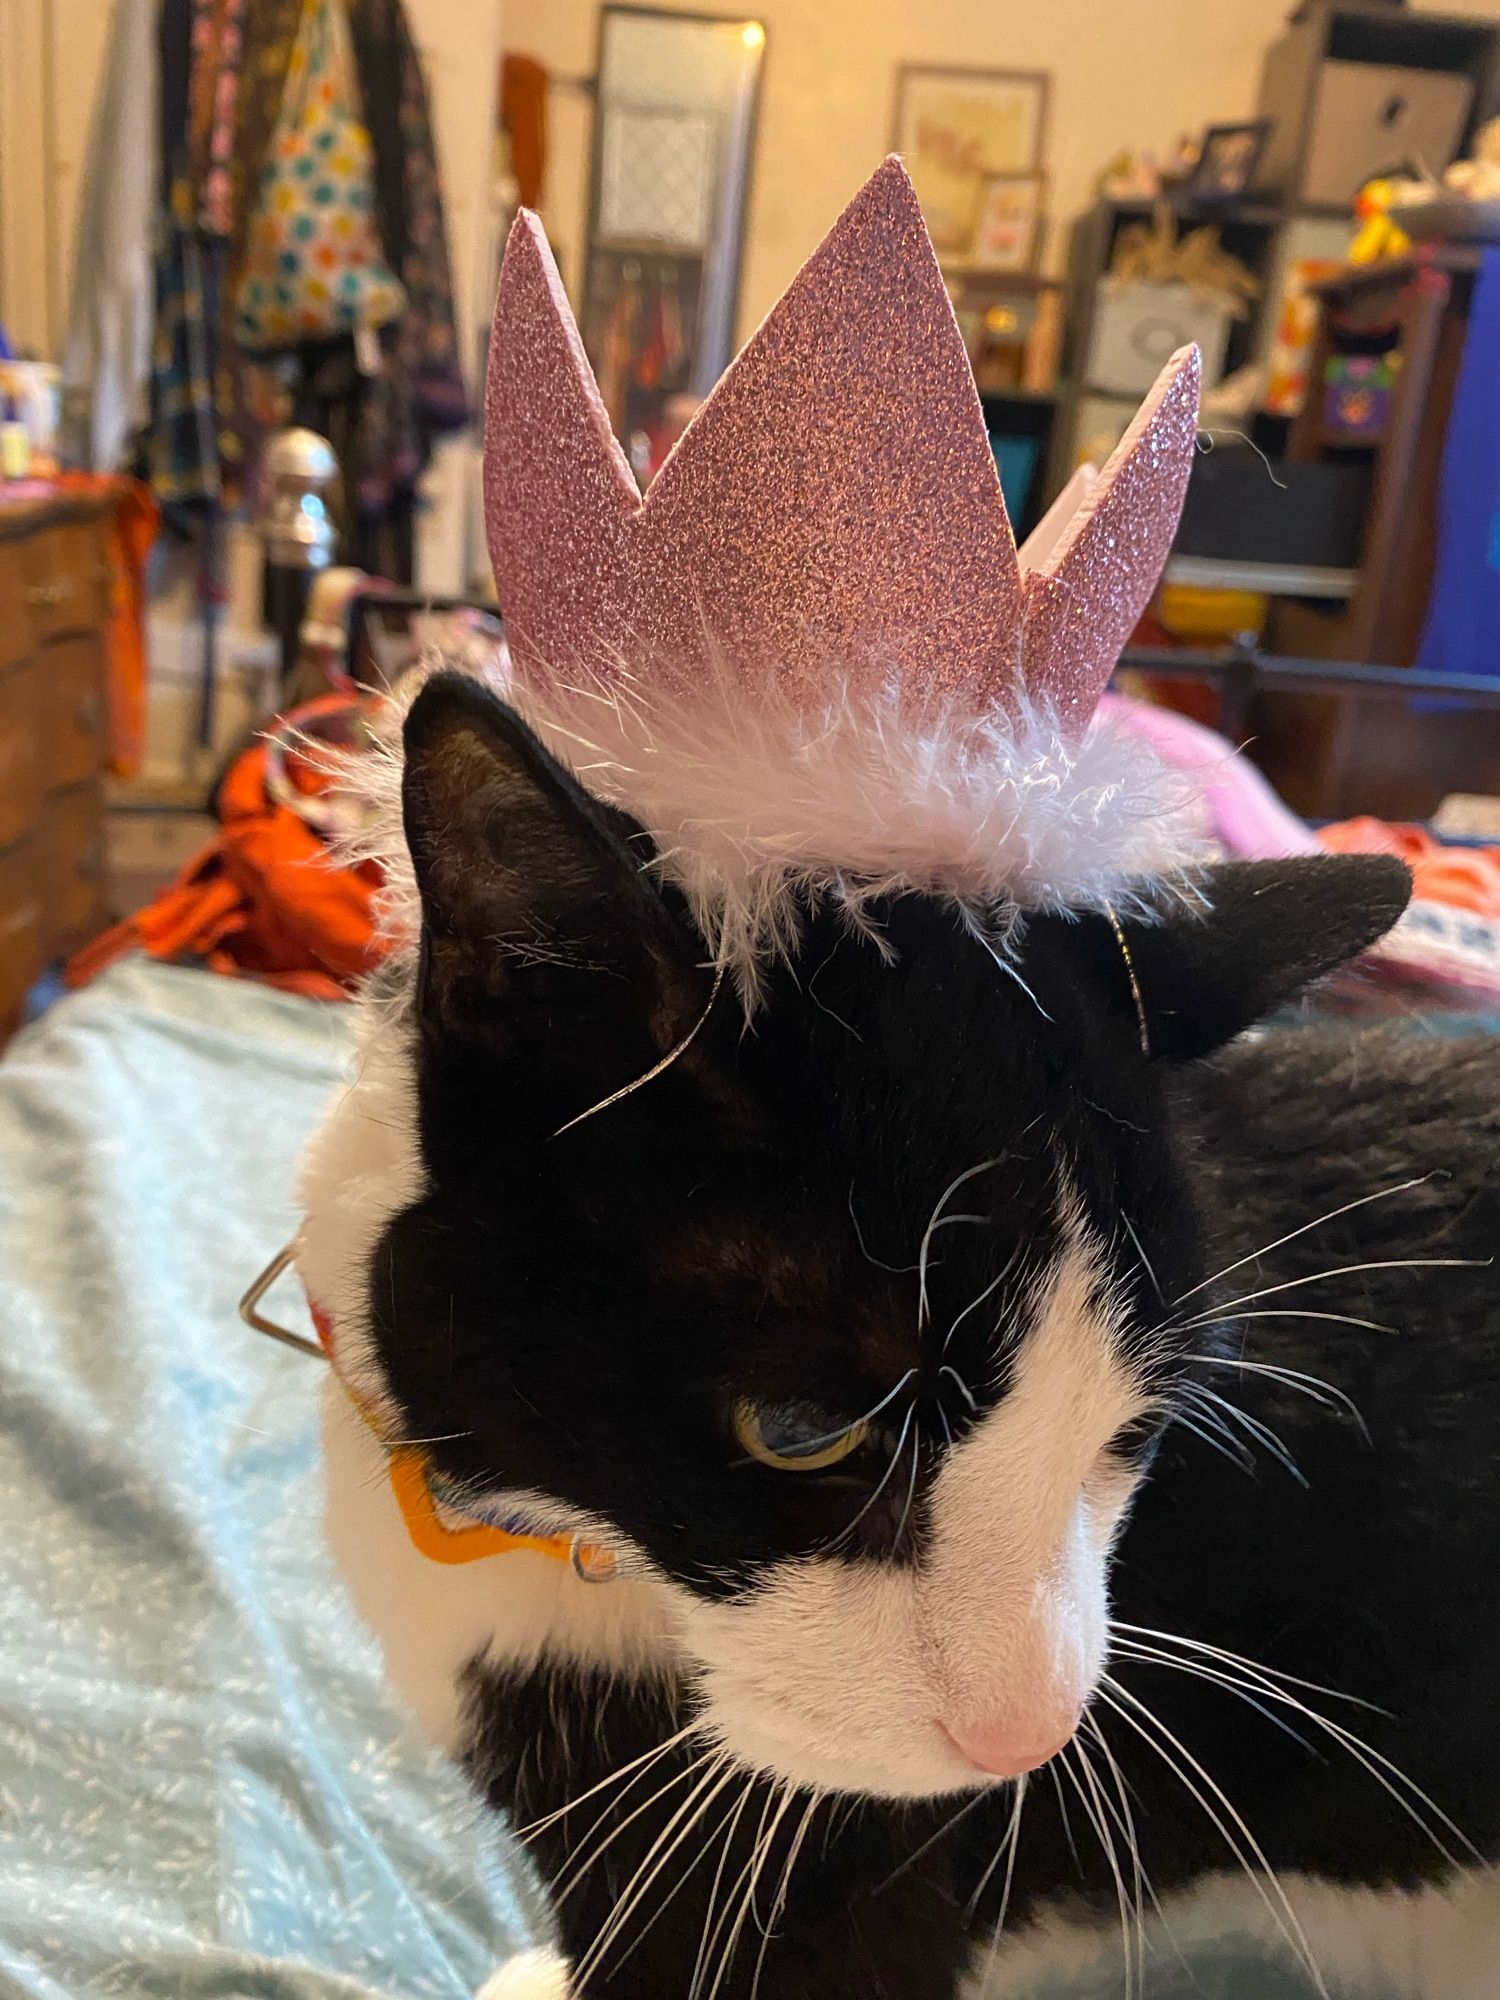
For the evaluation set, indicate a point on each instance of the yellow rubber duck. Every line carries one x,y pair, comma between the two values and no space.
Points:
1378,236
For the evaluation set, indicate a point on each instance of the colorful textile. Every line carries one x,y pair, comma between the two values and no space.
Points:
182,448
419,393
315,266
1451,931
218,46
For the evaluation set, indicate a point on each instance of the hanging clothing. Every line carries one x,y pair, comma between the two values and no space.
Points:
418,394
180,451
1462,634
315,266
213,96
270,33
106,362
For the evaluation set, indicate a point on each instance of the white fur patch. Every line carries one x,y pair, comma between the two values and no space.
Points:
360,1169
534,1975
1431,1944
842,1674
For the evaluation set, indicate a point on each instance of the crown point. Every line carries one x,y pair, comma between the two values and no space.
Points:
1086,597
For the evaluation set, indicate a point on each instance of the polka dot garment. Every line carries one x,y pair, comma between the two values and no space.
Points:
315,265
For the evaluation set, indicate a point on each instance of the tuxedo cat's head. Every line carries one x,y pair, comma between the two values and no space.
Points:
851,1328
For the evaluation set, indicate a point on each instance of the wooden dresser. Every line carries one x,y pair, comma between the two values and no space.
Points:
54,595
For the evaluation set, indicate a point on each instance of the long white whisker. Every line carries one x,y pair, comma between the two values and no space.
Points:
896,1270
930,1842
726,1779
731,1920
536,1826
1364,1754
1254,1666
1067,1824
783,1890
1140,1252
1278,1312
989,1291
710,1928
1312,1386
1230,1448
1134,1649
1007,1849
1093,1813
1347,1271
1124,1818
923,1310
844,1533
963,1388
765,1840
1279,1907
655,1859
1262,1433
575,1872
1362,1201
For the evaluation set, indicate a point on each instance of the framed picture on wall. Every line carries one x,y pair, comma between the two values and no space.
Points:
1228,160
1008,230
958,128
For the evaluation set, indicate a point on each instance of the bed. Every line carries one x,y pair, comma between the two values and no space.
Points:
204,1789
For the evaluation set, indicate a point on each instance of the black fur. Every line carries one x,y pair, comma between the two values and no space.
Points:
583,1307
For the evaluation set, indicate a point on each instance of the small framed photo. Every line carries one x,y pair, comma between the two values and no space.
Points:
1008,232
1226,165
955,128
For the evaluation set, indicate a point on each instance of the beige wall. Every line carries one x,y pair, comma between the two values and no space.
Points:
1125,72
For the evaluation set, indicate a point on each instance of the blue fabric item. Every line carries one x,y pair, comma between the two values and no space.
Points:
1462,634
204,1789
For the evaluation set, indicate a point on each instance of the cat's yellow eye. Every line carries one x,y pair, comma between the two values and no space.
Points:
793,1437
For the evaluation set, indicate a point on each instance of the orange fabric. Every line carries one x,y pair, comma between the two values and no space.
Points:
1465,878
523,113
133,523
262,901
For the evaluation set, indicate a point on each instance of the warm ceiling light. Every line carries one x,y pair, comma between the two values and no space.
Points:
753,35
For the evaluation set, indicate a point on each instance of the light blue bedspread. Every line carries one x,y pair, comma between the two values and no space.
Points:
203,1788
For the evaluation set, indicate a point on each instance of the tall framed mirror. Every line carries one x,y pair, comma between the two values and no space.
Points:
674,138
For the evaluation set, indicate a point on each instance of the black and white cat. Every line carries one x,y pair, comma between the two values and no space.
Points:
1014,1399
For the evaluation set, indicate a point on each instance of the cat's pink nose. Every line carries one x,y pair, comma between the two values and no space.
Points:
1007,1750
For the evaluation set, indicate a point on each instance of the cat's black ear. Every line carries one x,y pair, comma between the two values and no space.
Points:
1270,928
541,932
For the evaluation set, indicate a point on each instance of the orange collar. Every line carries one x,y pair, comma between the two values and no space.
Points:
429,1520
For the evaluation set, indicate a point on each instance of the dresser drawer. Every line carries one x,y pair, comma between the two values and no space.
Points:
72,737
66,573
22,949
16,635
22,778
72,838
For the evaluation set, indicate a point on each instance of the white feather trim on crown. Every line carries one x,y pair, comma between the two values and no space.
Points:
745,803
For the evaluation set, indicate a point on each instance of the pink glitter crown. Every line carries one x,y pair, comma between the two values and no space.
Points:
833,511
